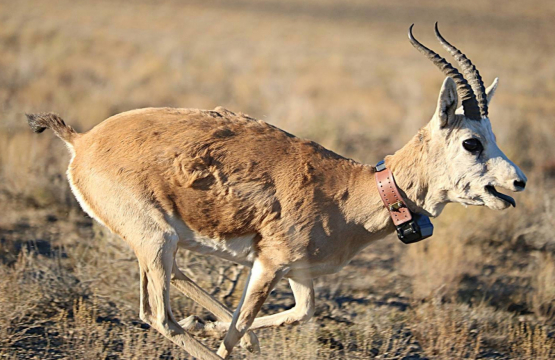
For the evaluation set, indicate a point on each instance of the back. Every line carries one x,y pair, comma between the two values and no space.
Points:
224,174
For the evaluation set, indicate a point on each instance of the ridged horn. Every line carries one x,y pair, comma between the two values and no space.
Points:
469,103
469,71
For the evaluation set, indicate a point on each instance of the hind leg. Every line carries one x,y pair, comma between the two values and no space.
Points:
190,289
156,259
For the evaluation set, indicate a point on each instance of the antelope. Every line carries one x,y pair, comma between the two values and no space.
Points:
225,184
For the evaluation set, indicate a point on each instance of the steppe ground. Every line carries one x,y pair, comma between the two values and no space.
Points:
340,73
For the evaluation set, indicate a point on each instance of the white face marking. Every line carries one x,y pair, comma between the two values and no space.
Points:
468,174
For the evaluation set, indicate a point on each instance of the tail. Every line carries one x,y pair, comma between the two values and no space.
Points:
43,121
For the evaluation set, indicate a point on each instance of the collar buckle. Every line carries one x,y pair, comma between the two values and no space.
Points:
396,206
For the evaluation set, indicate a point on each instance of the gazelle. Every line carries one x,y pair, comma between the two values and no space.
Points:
225,184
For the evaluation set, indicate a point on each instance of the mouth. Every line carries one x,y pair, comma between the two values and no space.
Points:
492,191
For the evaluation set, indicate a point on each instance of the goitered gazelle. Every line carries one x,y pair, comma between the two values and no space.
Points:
225,184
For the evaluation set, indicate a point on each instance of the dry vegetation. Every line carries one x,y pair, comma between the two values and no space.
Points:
341,73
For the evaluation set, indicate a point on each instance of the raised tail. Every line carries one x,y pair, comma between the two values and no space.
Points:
43,121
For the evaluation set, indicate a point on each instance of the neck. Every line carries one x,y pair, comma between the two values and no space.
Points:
410,166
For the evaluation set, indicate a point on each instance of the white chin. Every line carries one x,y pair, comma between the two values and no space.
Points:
470,202
486,200
497,204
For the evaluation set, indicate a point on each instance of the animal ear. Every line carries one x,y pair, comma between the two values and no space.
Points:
491,89
447,103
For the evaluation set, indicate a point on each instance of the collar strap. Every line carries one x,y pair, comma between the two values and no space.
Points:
389,192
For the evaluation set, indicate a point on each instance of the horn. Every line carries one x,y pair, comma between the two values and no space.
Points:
469,71
469,103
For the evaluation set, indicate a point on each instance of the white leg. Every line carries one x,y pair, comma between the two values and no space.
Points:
303,291
156,261
263,278
190,289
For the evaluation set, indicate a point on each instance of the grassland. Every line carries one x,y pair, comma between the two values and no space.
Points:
340,73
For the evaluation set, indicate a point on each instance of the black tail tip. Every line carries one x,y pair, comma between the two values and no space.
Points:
34,121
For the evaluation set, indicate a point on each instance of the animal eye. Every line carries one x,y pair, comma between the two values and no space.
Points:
473,145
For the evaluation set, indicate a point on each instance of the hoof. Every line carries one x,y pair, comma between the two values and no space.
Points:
250,343
196,326
192,324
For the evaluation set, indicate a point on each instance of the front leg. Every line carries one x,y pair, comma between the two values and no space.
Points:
303,292
263,277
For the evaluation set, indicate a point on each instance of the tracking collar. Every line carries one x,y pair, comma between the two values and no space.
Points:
411,227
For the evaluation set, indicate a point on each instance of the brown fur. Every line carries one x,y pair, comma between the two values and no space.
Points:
225,175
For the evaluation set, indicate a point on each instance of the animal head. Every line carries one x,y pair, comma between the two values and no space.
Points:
465,163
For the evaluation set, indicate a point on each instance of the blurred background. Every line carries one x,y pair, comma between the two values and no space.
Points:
340,73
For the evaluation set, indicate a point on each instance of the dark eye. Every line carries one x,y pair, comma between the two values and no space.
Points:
473,145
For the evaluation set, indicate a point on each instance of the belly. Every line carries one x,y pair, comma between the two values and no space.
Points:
239,249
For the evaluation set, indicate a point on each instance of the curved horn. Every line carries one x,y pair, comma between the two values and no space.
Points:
469,103
470,71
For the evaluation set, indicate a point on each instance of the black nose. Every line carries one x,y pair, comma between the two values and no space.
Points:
519,184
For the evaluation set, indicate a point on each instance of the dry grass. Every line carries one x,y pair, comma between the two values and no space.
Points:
437,267
342,74
445,332
543,296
